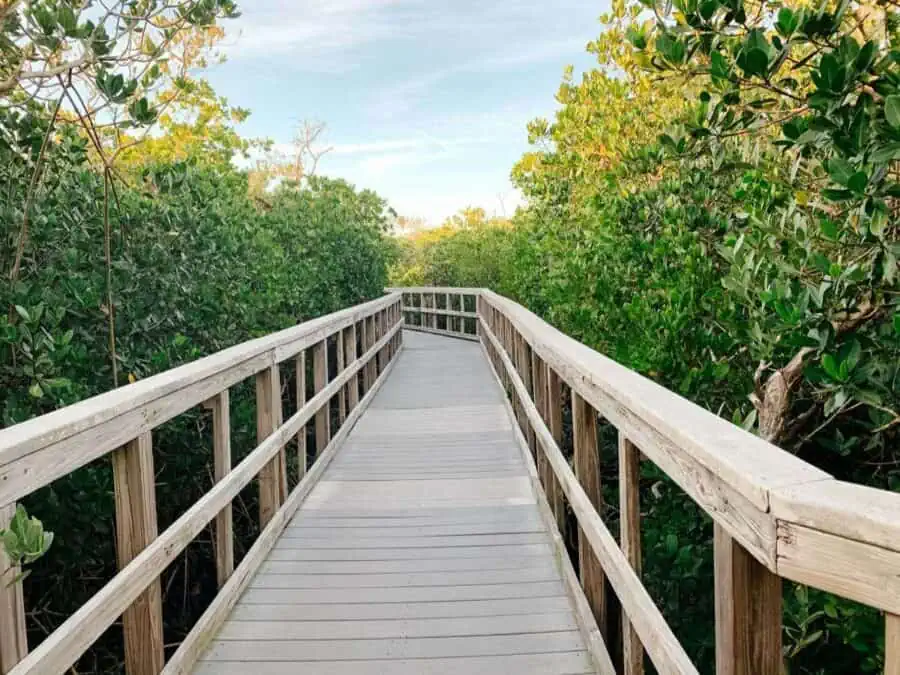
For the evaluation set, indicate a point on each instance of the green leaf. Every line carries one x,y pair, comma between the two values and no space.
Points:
858,182
886,154
35,390
840,170
755,62
787,22
830,366
21,311
892,110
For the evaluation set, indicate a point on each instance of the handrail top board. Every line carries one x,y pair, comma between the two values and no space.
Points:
776,484
753,466
31,436
775,481
453,290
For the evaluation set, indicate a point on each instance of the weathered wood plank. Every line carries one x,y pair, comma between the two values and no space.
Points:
410,629
555,424
391,611
63,647
188,652
136,529
630,538
320,379
559,663
350,356
727,471
224,532
300,380
39,451
891,644
268,418
418,648
587,471
748,611
13,636
659,641
340,355
835,564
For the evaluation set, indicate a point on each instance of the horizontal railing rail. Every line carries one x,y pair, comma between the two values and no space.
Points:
365,339
442,310
775,516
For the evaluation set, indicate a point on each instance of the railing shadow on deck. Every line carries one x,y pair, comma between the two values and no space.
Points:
774,515
365,340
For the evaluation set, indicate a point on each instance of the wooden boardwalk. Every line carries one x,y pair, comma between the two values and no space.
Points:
420,551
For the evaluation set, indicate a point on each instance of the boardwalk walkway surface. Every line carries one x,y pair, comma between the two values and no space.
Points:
420,552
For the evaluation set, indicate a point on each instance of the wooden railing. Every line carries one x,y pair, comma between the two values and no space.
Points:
364,340
774,515
443,311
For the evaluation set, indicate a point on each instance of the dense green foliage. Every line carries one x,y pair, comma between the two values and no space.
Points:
196,266
754,242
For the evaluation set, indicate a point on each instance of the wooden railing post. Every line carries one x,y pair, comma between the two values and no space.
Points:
340,347
273,476
891,644
555,424
13,638
320,379
300,366
370,340
587,470
352,388
221,425
748,611
135,496
630,538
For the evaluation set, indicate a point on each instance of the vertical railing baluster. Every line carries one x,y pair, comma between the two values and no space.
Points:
587,470
134,483
220,405
891,644
268,419
352,388
630,538
300,380
320,380
748,611
339,356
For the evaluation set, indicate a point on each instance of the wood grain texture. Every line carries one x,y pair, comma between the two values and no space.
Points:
62,648
727,471
845,567
380,571
351,391
185,658
661,644
340,356
36,452
891,644
300,383
268,418
587,471
630,540
13,636
748,611
555,424
136,529
224,539
320,379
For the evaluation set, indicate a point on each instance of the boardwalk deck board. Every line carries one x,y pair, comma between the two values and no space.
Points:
421,550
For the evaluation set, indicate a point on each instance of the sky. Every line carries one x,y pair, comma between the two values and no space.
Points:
425,101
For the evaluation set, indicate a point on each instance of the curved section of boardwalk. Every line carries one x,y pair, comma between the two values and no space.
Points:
420,552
